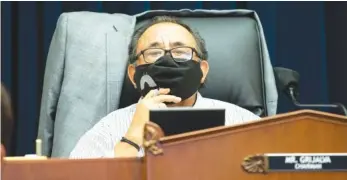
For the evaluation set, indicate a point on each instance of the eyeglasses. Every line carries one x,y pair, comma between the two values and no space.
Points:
180,54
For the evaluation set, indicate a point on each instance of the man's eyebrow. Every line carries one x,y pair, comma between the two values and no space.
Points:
174,44
177,44
154,45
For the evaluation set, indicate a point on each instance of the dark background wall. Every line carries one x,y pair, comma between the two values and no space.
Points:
309,37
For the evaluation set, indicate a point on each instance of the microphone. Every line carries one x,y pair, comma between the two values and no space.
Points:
287,81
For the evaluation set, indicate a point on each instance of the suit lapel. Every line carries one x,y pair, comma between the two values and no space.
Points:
117,55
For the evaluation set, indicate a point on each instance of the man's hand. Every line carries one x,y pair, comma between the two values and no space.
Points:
154,99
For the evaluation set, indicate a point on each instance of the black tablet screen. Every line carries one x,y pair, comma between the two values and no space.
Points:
181,120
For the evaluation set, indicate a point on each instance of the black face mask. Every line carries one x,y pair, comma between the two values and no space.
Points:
183,78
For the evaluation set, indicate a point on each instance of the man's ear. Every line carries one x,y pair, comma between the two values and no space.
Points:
131,73
204,68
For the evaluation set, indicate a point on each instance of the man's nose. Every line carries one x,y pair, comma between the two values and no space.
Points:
167,53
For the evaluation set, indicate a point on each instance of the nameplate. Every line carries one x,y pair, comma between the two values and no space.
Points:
307,162
296,162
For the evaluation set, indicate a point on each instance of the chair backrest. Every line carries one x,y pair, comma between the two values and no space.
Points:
236,57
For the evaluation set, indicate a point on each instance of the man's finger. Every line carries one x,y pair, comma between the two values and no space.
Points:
156,92
166,98
151,93
162,105
164,91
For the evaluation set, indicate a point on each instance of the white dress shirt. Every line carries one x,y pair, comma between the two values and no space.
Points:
100,140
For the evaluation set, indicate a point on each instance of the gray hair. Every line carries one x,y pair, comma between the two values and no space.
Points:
201,47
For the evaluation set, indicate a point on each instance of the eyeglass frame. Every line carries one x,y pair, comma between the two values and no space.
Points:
169,51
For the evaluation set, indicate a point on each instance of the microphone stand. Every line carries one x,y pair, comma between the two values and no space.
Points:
296,103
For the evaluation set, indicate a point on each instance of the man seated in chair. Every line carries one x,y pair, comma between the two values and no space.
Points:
168,65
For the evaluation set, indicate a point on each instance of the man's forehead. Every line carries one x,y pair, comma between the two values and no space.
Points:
166,33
